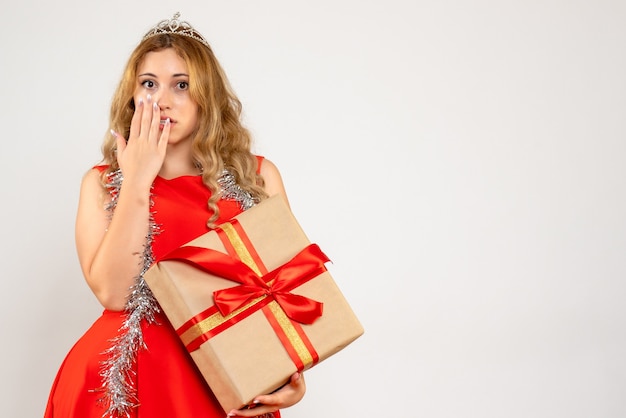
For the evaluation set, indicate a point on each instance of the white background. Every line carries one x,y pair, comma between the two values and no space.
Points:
461,162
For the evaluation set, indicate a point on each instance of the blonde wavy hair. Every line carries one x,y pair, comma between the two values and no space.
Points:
219,142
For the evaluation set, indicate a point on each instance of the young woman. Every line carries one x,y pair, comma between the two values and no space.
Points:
177,163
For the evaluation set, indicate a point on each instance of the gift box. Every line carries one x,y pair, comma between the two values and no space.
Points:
253,303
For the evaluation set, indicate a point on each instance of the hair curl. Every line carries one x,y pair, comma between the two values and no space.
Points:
219,142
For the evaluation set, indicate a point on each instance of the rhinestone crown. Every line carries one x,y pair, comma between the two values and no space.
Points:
175,26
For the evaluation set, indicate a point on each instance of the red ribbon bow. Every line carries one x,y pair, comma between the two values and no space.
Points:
276,284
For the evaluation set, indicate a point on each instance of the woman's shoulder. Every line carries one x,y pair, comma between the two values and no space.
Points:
267,168
93,176
272,178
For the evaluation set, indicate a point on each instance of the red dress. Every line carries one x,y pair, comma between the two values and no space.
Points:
168,382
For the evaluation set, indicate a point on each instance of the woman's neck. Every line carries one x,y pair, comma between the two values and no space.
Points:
178,162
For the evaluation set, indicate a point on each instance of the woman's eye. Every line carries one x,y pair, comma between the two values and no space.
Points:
183,85
148,84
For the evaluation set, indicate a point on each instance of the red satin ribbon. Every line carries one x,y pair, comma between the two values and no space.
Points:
277,284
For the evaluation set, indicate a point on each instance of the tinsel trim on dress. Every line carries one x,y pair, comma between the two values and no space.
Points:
118,373
230,190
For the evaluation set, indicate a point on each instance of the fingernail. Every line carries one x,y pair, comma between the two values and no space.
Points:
141,102
149,97
256,401
113,132
167,121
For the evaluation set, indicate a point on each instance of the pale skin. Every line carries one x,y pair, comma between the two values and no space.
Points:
159,144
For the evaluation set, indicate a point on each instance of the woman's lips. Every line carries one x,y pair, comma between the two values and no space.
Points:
163,121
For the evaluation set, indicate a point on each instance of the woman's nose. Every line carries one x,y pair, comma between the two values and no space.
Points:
163,99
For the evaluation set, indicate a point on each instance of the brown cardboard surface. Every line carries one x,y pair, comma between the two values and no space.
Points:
248,359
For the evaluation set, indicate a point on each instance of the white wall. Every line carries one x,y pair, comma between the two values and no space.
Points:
461,162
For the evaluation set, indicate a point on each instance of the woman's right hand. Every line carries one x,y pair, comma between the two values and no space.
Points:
110,248
141,156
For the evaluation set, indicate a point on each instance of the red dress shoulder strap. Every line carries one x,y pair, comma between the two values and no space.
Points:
100,167
259,161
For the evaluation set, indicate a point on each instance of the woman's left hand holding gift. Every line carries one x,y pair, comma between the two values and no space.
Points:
286,396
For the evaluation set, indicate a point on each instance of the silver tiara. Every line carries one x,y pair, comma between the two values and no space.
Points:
175,26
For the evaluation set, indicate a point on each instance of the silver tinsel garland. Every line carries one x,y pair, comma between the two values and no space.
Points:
118,372
230,190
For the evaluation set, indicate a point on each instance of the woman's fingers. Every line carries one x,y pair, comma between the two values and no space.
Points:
135,122
120,141
288,395
146,121
147,116
155,121
164,136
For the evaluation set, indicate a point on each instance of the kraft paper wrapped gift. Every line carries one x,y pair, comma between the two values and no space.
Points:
253,303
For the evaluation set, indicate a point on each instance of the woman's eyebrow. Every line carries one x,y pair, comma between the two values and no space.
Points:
154,75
